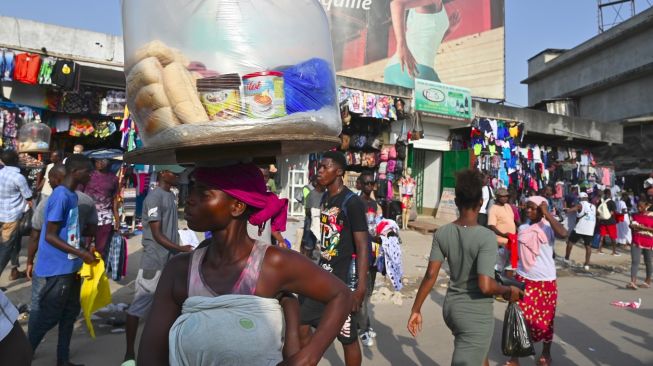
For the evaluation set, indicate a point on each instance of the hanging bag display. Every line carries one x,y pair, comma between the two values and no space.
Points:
392,152
385,151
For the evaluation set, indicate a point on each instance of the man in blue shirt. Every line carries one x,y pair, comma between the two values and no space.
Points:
56,283
14,195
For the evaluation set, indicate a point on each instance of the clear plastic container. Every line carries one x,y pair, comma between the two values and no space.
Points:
34,137
202,72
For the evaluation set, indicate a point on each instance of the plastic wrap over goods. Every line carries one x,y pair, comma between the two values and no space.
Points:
229,68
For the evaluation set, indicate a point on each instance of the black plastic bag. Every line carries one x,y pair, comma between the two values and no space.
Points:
25,223
507,281
516,339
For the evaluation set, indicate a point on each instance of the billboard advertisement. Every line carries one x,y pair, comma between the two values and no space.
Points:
457,42
442,100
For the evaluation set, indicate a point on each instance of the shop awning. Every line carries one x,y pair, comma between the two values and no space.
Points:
554,125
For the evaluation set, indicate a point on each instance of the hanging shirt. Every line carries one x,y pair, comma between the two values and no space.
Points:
45,73
64,74
7,65
27,68
537,154
62,207
586,219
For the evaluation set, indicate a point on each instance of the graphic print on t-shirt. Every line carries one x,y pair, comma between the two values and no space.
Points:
330,238
72,230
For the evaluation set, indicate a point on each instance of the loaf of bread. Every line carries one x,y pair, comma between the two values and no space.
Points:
147,71
159,120
152,97
180,89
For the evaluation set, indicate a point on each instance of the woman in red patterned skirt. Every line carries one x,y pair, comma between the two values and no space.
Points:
538,271
642,226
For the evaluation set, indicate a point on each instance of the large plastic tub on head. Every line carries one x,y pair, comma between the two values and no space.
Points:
222,73
34,137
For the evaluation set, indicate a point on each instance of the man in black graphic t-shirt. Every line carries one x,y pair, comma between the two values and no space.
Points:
343,232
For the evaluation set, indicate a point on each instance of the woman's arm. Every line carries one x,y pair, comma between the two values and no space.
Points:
398,14
295,273
490,287
557,227
291,344
431,275
153,349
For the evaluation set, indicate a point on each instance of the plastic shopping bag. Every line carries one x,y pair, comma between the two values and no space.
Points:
516,339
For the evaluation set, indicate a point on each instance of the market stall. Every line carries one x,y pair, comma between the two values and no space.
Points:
522,162
374,139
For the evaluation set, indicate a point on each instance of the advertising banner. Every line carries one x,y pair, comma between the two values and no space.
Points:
442,100
457,42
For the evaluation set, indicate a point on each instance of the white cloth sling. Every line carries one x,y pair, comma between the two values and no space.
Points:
227,330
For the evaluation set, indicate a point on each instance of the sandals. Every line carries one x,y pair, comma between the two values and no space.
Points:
543,361
644,285
631,286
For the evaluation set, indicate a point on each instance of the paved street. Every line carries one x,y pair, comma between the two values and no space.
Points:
589,331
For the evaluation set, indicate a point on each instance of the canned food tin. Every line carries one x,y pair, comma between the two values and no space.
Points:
264,96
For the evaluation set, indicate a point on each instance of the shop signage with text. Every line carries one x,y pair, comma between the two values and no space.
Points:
443,100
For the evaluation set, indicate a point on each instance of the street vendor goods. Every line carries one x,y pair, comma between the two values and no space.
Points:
200,70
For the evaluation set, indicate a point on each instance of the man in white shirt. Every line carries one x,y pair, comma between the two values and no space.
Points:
487,196
584,230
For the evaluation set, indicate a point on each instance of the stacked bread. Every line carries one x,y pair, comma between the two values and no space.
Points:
162,92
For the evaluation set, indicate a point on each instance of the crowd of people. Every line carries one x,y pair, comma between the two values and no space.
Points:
279,299
498,234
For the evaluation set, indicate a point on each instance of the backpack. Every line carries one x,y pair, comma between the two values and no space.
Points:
383,168
392,164
392,152
602,211
385,153
401,150
399,168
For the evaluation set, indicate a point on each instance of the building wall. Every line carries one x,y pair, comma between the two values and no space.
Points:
630,99
61,41
615,65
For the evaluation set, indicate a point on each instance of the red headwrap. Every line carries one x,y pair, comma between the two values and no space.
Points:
245,183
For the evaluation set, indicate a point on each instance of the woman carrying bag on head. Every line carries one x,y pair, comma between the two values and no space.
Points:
470,250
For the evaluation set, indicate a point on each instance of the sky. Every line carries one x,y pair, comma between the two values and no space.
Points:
531,27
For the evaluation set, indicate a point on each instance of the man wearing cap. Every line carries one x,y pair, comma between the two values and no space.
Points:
584,230
501,220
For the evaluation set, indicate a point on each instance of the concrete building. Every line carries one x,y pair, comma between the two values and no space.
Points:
99,55
608,78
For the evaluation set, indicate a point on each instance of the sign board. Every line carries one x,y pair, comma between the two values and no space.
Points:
447,210
458,42
442,100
